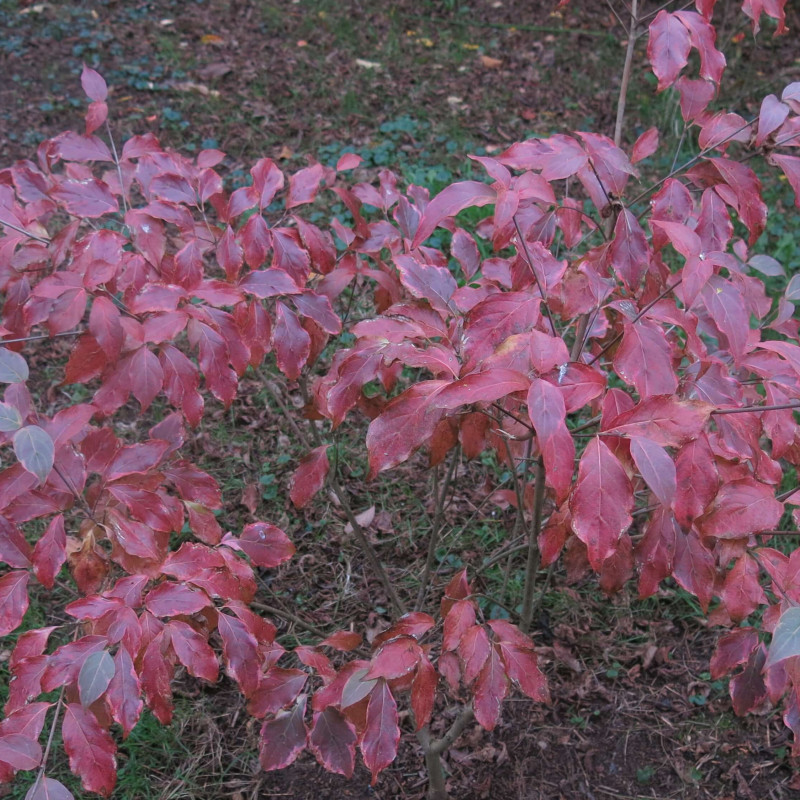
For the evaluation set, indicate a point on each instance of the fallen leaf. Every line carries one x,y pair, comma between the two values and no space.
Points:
368,64
211,38
564,655
250,497
364,519
491,63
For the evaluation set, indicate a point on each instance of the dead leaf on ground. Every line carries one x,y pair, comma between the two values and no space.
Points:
491,63
250,497
364,519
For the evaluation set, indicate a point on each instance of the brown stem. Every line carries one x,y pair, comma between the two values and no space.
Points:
39,337
461,722
773,407
119,169
289,617
30,235
532,567
626,73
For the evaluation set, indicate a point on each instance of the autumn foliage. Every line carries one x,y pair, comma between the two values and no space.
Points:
614,345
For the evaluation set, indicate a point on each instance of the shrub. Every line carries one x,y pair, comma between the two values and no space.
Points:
627,330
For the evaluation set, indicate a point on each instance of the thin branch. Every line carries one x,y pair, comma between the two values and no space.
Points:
119,168
542,292
532,566
41,336
626,72
744,409
24,232
688,164
636,319
289,617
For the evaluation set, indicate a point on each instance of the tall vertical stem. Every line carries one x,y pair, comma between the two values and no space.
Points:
626,73
532,567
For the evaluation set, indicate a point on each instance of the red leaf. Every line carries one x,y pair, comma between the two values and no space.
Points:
49,554
403,426
601,502
87,198
309,477
266,545
13,599
630,254
415,623
124,694
791,169
481,387
381,734
740,508
147,377
90,749
278,688
644,359
304,185
662,419
93,84
156,674
449,202
291,342
741,593
193,651
656,467
548,413
423,692
343,641
693,567
732,649
474,649
135,459
170,599
645,145
241,653
395,659
458,620
333,742
490,690
283,738
105,326
726,306
427,282
668,48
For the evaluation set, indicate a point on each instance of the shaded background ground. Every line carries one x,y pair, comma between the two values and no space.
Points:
412,86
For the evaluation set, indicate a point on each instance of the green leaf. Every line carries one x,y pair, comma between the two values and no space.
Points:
13,367
35,451
786,638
